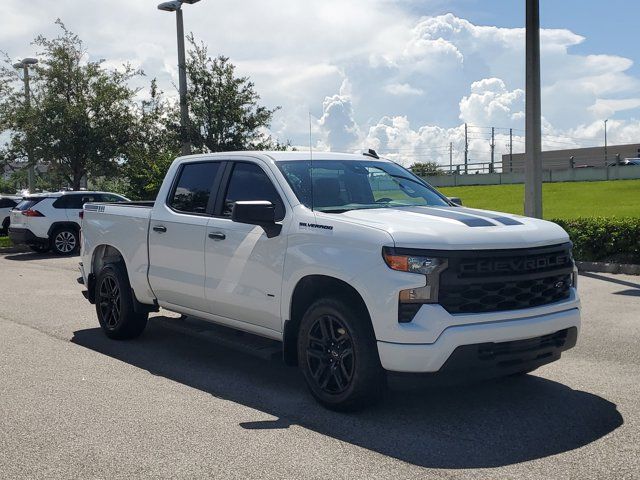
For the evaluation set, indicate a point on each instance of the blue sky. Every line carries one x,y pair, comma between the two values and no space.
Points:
610,27
401,76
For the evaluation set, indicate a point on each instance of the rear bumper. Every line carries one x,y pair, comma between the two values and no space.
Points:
523,344
24,236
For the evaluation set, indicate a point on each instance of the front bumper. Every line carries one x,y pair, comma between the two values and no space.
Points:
24,236
431,357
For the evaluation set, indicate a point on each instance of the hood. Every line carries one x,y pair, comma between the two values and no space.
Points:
457,228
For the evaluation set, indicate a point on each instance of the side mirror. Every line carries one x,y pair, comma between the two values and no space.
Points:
456,200
258,212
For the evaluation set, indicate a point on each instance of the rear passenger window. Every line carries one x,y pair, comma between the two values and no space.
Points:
249,182
191,193
27,203
108,197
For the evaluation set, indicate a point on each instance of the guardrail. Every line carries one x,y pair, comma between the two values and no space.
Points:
595,174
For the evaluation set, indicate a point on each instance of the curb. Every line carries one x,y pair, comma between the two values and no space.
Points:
604,267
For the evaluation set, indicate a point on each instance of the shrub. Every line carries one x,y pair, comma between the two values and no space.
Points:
604,239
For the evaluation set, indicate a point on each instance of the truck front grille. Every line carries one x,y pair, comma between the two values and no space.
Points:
509,295
498,280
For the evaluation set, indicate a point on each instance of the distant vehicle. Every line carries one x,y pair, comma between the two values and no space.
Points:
7,202
355,264
51,221
627,162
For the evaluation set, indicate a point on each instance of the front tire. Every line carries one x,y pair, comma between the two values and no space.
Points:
338,355
115,304
65,241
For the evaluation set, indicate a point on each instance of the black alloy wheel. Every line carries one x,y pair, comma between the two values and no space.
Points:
330,355
109,302
338,354
120,317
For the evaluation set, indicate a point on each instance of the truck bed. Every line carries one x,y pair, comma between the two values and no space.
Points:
125,227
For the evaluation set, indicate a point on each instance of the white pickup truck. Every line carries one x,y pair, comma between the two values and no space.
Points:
355,264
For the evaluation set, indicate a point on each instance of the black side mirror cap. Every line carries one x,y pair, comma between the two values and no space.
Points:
257,212
456,200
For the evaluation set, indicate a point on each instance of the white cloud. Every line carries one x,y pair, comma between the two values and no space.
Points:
490,103
402,89
340,130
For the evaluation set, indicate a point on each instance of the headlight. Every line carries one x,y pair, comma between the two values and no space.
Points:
412,263
430,267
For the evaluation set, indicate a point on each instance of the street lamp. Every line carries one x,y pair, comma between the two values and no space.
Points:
24,64
176,6
606,159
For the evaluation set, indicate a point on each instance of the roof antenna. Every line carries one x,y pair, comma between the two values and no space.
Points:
311,161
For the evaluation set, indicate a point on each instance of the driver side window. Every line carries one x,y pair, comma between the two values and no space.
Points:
249,182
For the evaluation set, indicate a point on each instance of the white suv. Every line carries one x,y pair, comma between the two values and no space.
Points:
7,202
51,221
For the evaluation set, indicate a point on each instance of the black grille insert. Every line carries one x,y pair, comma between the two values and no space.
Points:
499,280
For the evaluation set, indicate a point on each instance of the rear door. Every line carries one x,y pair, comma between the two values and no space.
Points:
75,202
244,267
177,236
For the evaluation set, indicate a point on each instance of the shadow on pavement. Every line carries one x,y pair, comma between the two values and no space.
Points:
28,256
610,279
485,425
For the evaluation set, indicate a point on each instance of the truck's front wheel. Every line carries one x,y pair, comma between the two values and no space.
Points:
115,304
338,355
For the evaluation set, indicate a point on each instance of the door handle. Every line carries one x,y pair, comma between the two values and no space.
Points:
159,228
217,235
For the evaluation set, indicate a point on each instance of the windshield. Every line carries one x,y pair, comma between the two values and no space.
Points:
339,186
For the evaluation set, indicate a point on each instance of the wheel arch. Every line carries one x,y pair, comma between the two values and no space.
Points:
57,225
108,254
307,290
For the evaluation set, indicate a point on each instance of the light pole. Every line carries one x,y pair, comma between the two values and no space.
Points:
176,6
25,63
533,161
606,159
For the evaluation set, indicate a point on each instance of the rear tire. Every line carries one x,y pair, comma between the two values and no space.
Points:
115,304
65,241
338,355
4,229
40,248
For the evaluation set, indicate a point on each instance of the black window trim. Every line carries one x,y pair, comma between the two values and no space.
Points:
224,186
214,188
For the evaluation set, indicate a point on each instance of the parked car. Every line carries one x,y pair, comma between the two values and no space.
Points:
7,202
51,221
627,162
357,276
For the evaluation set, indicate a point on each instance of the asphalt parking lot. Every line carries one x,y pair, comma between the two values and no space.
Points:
174,404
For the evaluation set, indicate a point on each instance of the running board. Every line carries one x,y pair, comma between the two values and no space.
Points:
230,338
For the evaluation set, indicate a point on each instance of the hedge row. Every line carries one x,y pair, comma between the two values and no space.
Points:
604,239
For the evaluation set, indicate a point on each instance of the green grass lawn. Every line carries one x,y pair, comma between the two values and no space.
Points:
618,198
5,242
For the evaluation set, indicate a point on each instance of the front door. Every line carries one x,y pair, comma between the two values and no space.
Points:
177,236
244,267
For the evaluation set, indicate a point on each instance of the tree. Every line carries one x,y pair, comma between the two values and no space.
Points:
153,146
426,169
223,108
82,115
